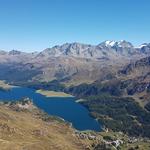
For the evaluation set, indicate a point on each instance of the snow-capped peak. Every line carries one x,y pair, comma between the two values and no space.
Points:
110,43
124,43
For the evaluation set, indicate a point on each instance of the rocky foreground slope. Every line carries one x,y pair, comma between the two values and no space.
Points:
23,126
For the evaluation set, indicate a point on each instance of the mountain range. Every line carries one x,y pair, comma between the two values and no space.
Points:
73,63
112,78
109,49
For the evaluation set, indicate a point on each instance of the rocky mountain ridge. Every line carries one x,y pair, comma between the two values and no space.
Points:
104,49
107,49
73,63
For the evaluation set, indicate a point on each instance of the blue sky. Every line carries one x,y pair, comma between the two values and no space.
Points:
33,25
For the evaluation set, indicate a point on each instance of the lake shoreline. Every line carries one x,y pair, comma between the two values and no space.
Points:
61,106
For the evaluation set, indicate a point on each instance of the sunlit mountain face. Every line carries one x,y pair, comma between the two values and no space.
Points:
71,62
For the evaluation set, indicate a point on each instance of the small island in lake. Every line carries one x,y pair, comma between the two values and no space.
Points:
53,93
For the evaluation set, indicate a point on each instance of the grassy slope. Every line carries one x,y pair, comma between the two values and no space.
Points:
24,130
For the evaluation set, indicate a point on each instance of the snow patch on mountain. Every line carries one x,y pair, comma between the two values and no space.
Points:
141,46
110,43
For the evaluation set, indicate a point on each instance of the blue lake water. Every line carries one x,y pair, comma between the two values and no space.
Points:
65,108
